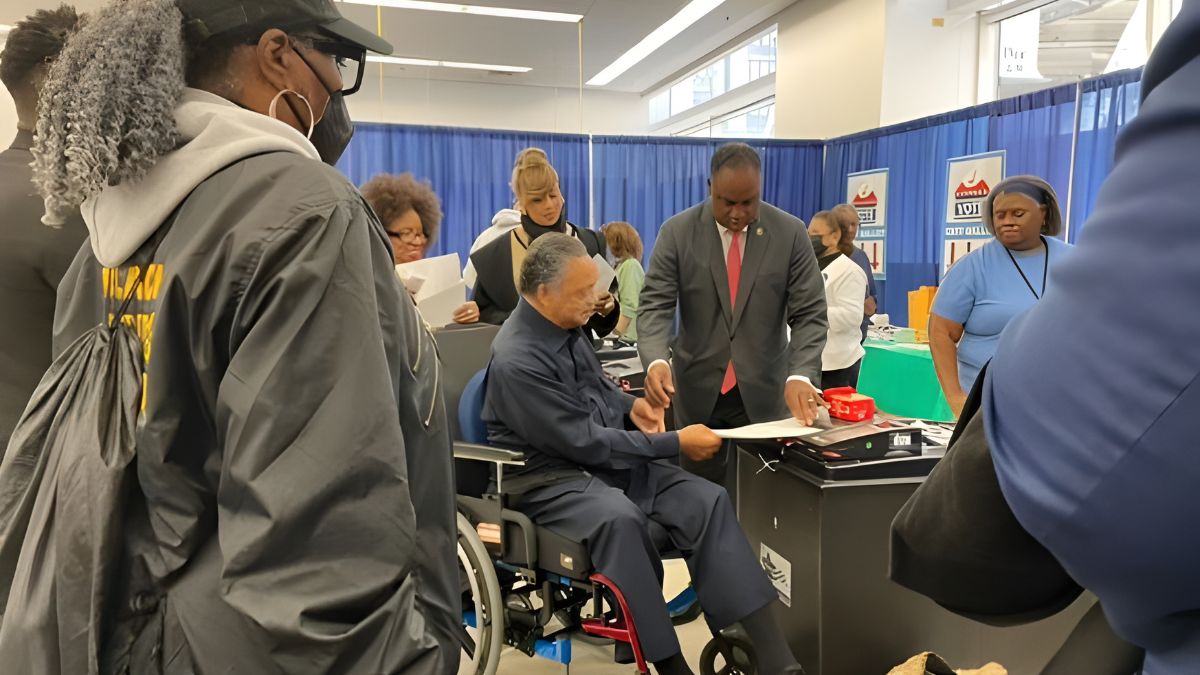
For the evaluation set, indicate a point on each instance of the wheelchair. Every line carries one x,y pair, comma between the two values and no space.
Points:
534,590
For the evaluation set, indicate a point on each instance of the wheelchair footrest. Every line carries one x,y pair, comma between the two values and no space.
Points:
613,630
557,650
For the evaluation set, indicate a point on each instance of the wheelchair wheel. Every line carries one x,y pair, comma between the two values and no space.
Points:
484,608
728,656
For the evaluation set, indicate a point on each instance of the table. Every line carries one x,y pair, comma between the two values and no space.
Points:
901,379
829,541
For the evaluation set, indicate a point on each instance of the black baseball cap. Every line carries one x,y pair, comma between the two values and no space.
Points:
216,17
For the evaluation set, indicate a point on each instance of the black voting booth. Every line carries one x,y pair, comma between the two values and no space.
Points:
822,531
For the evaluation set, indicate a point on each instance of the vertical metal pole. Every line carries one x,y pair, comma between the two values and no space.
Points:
1074,150
580,76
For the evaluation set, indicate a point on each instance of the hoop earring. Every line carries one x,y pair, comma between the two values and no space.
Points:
312,122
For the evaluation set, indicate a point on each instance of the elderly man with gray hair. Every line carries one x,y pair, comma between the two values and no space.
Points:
598,465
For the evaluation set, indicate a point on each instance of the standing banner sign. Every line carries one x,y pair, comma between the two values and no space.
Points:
866,191
970,180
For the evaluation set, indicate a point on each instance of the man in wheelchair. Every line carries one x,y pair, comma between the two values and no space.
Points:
598,467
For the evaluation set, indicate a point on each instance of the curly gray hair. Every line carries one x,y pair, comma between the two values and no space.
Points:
107,110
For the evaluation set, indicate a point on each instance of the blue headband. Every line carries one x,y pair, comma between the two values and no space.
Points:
1021,187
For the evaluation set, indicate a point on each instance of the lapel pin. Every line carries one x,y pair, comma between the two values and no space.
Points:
758,232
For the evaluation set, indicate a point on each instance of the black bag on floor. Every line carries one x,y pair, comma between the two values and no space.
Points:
63,481
957,542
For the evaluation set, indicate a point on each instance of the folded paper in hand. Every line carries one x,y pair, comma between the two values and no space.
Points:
437,286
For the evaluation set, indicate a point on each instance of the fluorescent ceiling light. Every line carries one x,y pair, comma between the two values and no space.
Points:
507,12
402,61
687,16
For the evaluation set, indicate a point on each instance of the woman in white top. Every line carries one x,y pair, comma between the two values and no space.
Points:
845,297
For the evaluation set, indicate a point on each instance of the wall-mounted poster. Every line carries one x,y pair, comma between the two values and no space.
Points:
866,191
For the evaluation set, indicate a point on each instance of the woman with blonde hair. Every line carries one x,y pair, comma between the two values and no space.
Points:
626,247
540,201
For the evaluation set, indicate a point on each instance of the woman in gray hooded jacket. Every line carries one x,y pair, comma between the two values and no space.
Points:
290,392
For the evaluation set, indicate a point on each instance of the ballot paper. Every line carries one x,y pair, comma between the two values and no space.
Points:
437,286
435,275
788,428
438,309
607,274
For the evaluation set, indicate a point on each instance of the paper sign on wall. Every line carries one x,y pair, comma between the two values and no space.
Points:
867,192
970,180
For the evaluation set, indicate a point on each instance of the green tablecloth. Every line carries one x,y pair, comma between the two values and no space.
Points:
901,379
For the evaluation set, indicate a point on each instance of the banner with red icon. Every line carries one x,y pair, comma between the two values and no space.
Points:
866,191
969,181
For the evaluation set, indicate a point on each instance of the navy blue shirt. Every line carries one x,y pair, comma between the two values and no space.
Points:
860,256
547,396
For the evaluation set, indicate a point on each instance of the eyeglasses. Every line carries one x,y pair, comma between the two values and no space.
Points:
408,236
351,61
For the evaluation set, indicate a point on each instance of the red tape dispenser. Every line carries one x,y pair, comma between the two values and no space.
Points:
847,404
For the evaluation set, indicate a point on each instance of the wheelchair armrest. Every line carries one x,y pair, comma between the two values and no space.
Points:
487,453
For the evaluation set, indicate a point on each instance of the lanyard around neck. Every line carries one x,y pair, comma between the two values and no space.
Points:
1045,269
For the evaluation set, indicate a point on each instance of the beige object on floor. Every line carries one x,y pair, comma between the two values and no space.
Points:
932,664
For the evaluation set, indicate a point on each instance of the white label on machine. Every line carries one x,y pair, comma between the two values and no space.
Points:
779,569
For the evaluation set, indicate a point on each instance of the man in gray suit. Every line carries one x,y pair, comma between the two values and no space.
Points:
751,303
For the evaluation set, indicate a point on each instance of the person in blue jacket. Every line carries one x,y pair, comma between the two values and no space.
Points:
1091,399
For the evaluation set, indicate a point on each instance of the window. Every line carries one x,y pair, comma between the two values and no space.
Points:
1045,43
753,121
752,61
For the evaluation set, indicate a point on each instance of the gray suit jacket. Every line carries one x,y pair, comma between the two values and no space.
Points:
781,294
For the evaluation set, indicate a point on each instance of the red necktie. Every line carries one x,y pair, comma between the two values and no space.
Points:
733,266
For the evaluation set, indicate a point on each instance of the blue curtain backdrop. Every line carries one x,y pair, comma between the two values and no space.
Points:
1107,104
470,171
644,180
1037,130
916,154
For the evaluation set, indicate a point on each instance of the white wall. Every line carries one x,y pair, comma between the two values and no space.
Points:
829,77
927,69
498,106
851,65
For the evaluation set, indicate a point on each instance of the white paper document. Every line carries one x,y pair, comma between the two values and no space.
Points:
438,308
607,274
788,428
435,274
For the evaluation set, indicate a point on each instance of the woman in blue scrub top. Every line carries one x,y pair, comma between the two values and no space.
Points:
984,290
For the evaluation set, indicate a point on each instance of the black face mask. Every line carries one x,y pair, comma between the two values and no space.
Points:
332,134
818,247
